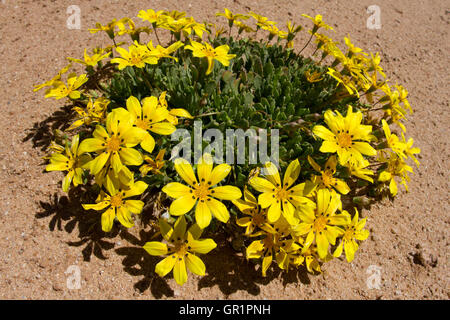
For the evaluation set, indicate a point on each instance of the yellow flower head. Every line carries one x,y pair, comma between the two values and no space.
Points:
322,224
396,167
153,165
180,247
352,232
70,161
136,56
54,80
115,143
344,136
93,113
91,60
60,90
150,15
207,51
201,193
393,141
281,198
255,217
117,204
150,118
326,180
318,23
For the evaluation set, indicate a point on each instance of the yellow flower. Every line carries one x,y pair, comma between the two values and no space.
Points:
326,180
358,170
149,118
117,204
93,113
344,135
352,49
260,20
161,52
181,248
318,23
315,77
150,15
242,27
115,143
396,167
274,31
60,90
353,231
393,141
281,198
202,190
109,28
322,224
136,56
91,60
173,115
206,50
311,258
232,17
345,80
153,165
255,217
55,79
409,150
71,161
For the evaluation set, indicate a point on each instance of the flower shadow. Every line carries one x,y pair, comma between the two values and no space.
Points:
66,213
137,263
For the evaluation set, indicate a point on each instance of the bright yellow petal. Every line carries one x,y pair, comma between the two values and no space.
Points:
182,205
177,190
218,209
226,193
195,265
156,248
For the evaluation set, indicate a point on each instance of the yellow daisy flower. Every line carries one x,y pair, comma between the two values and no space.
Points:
322,224
255,217
153,165
116,201
201,193
181,247
345,135
281,198
71,161
60,90
353,231
207,51
149,118
326,180
115,143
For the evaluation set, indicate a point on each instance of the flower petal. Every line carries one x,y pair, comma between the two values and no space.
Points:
156,248
218,209
226,193
195,264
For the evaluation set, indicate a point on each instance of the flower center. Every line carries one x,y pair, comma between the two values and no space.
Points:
281,194
202,191
320,223
344,139
135,59
210,53
258,218
116,200
348,235
327,179
113,144
142,124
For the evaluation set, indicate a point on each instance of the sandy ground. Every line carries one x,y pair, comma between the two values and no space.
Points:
42,233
